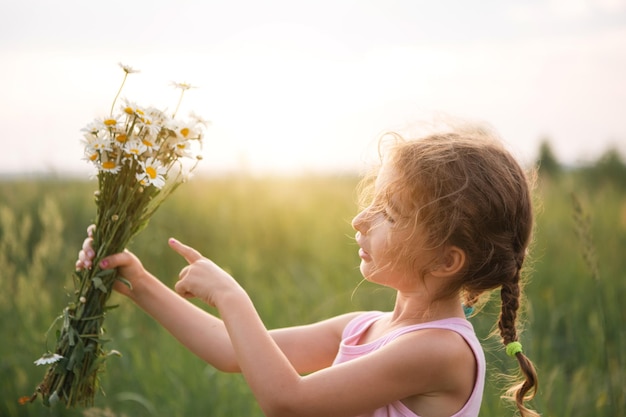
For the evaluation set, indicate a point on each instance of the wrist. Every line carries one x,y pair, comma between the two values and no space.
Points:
141,287
231,300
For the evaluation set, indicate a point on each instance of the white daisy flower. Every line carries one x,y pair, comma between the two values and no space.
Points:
88,140
120,139
135,148
131,108
153,173
48,358
185,131
183,148
156,115
182,86
102,144
107,123
199,120
94,144
91,128
111,166
148,124
150,142
127,68
91,156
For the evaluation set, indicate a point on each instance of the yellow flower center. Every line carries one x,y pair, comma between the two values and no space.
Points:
184,131
93,156
108,165
121,138
128,110
147,142
110,122
152,173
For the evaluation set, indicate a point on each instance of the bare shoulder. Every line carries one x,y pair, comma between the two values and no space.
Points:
446,367
429,359
444,343
440,349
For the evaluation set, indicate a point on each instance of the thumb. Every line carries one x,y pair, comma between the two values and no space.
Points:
190,254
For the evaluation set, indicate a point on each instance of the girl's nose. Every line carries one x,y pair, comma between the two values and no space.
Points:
358,222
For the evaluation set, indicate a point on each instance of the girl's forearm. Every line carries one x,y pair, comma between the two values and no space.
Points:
202,333
267,370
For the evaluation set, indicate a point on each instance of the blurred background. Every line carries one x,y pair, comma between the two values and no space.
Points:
293,86
298,94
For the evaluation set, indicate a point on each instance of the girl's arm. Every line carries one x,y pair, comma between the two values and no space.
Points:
308,348
425,363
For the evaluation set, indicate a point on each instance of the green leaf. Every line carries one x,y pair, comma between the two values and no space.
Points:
104,272
77,356
66,318
60,366
71,332
125,282
97,282
95,365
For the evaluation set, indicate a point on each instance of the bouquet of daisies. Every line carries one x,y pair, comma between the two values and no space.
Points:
142,155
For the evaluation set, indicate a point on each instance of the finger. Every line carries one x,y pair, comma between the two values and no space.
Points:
181,290
190,254
116,260
88,248
84,261
91,229
80,265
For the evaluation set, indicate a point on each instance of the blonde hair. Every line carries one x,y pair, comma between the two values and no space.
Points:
463,188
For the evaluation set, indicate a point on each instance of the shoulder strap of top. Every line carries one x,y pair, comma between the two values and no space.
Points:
360,322
458,325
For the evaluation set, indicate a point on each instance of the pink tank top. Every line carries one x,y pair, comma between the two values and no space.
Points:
350,349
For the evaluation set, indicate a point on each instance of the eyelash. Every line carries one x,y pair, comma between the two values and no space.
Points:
387,216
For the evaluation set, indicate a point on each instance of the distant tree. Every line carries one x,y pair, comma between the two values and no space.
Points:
608,169
548,165
611,168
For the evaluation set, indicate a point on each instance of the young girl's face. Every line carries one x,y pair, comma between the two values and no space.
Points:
380,235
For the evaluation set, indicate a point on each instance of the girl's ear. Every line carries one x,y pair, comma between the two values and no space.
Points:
453,261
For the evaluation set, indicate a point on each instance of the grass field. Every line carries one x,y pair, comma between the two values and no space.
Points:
289,242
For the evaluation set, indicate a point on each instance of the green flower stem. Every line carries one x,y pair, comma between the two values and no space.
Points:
75,378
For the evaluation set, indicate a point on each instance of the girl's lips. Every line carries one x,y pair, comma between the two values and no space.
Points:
363,254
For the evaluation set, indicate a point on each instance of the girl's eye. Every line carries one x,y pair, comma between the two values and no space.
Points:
388,216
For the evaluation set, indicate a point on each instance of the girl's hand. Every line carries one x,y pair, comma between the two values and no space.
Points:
202,278
127,264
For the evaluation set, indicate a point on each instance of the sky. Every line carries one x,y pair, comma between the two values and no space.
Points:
308,86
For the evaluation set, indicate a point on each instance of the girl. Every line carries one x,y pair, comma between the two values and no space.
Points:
448,218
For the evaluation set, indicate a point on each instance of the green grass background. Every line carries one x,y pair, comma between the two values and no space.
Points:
290,244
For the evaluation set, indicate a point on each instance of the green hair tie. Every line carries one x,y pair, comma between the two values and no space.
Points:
513,348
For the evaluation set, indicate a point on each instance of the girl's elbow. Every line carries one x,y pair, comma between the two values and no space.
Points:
226,367
284,405
223,363
277,409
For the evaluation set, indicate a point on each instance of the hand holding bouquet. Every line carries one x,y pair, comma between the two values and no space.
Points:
142,155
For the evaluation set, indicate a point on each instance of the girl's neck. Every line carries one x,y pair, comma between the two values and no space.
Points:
418,308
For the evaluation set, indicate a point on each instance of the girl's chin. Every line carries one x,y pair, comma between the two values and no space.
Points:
365,271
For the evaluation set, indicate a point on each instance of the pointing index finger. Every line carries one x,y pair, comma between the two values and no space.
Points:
190,254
